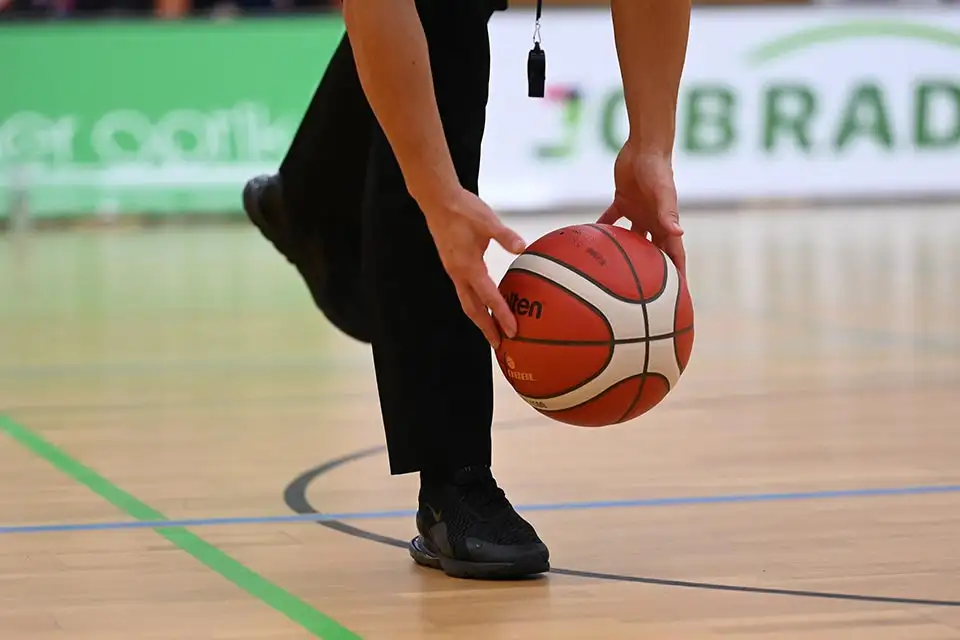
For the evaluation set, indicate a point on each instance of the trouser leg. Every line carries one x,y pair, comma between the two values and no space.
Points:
433,366
323,178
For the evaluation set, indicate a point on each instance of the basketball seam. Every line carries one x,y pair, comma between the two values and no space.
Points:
646,376
600,343
590,306
646,320
586,276
676,309
588,400
593,308
605,392
663,285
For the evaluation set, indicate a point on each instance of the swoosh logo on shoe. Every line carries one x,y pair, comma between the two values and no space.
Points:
437,515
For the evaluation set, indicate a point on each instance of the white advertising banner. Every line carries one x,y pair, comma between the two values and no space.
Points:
779,103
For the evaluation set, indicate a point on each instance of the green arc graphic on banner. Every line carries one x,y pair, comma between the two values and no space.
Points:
786,45
126,118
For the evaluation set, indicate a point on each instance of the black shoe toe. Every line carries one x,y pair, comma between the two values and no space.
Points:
341,303
482,551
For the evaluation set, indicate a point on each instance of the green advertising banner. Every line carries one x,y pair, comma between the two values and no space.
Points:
151,117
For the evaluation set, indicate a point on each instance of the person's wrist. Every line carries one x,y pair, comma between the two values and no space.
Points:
650,145
434,192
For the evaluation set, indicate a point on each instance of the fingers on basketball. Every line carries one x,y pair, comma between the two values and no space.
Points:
506,237
673,247
477,312
493,300
610,216
669,210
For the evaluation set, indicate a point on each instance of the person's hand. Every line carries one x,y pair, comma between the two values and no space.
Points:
647,196
462,226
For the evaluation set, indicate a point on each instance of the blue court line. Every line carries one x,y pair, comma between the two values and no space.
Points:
553,506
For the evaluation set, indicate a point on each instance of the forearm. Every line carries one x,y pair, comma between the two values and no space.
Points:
390,51
651,37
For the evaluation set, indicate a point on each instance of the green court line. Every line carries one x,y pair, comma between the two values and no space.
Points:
318,624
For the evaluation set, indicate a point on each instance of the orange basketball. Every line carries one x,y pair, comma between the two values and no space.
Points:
605,325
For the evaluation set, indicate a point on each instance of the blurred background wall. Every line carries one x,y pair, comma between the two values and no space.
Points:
114,108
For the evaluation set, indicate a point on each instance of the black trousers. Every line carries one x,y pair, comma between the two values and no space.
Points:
342,182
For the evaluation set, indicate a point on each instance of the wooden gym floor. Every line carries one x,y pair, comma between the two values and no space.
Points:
803,481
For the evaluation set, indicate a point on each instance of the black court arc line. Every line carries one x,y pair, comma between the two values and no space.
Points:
295,497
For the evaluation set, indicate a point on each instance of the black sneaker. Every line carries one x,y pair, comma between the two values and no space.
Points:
264,205
469,529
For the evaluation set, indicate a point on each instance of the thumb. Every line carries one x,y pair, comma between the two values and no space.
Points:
669,212
507,238
670,220
673,247
610,216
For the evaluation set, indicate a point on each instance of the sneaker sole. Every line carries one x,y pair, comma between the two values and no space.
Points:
522,568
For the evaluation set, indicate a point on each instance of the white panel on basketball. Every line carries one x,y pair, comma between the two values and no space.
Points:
663,360
662,312
626,318
627,322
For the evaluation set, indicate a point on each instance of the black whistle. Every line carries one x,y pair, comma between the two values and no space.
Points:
536,72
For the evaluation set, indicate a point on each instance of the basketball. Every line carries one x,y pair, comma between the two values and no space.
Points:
605,325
